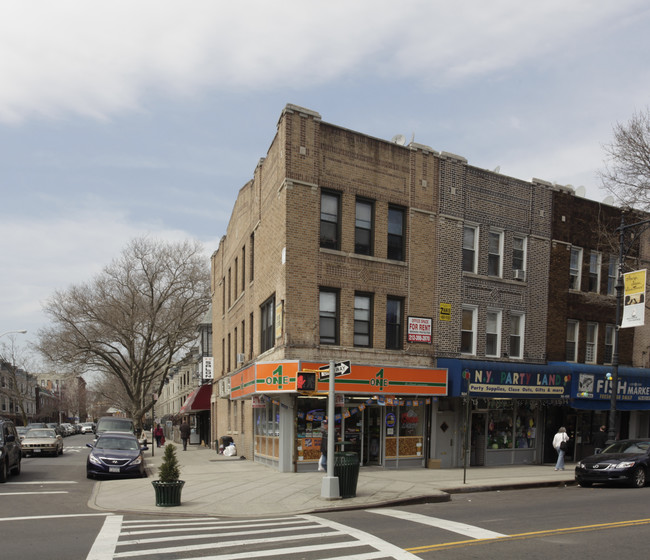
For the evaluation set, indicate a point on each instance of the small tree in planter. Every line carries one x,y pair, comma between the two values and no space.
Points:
168,487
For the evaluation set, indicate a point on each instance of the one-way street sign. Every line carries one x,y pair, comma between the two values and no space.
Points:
340,368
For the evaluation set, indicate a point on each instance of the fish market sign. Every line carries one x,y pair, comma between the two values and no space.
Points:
492,382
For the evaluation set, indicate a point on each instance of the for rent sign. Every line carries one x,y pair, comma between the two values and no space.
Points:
419,329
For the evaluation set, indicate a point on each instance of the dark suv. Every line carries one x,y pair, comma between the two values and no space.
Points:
10,450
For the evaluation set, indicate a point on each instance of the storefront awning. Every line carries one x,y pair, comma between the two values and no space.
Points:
591,387
513,380
198,400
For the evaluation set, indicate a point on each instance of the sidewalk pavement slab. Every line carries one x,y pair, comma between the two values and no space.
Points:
221,486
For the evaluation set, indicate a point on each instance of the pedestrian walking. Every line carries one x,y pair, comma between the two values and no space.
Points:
158,434
600,439
185,433
560,444
322,462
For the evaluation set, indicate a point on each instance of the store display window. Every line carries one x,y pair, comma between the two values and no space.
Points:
511,425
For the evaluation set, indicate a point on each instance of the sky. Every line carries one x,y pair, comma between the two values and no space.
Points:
123,119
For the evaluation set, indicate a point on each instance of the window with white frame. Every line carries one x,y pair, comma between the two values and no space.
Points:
468,330
595,261
517,321
495,250
575,268
612,273
362,320
363,230
609,344
470,241
329,316
592,343
572,341
519,245
493,333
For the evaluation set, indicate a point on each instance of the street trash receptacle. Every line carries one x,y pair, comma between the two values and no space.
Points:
224,441
346,469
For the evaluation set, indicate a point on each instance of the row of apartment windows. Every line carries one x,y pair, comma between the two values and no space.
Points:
330,319
594,271
495,256
235,283
364,226
493,332
591,342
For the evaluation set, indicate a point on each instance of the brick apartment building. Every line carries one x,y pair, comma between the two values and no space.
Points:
430,276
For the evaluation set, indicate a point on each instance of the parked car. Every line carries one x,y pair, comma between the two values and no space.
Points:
42,441
10,447
117,454
67,428
624,462
114,424
58,428
86,427
22,430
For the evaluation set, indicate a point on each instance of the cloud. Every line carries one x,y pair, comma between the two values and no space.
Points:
98,60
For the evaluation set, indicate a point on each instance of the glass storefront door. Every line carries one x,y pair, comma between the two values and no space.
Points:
372,435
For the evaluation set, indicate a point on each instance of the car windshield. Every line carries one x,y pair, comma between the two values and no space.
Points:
123,444
632,447
41,433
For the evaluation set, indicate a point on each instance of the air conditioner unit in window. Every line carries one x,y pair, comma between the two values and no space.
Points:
519,274
240,358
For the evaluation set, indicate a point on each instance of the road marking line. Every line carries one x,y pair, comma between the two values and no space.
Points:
184,527
533,534
104,545
44,482
460,528
365,538
33,493
33,517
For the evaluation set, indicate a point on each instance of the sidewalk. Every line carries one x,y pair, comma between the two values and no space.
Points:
230,487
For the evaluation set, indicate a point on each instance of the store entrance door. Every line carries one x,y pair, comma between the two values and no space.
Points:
372,436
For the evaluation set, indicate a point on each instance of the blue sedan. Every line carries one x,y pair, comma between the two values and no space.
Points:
116,454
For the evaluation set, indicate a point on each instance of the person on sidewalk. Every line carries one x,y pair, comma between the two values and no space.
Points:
560,443
322,462
185,433
600,439
158,434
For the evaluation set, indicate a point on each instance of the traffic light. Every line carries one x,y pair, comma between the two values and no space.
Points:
306,381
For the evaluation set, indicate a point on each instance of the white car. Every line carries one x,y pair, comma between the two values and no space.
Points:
86,427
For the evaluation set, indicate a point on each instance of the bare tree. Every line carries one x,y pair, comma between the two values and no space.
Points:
131,321
627,166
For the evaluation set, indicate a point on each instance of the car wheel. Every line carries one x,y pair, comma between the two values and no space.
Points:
16,469
3,471
638,477
585,483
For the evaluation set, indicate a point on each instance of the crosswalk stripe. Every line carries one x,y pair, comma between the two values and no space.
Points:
460,528
33,493
183,527
104,544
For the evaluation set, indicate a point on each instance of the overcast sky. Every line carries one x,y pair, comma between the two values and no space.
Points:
123,118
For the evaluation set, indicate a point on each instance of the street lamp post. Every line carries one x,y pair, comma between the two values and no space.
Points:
611,433
22,331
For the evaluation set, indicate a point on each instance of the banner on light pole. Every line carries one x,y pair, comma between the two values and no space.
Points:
634,300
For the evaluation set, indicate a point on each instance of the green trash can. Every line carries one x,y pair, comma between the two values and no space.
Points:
346,469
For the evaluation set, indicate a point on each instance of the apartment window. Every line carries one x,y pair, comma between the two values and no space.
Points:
363,230
519,245
592,343
495,249
516,335
229,287
395,233
612,274
470,236
330,204
251,335
243,337
572,341
223,295
493,333
468,330
268,324
575,268
594,271
362,320
609,344
252,245
394,322
229,354
236,284
243,268
329,316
